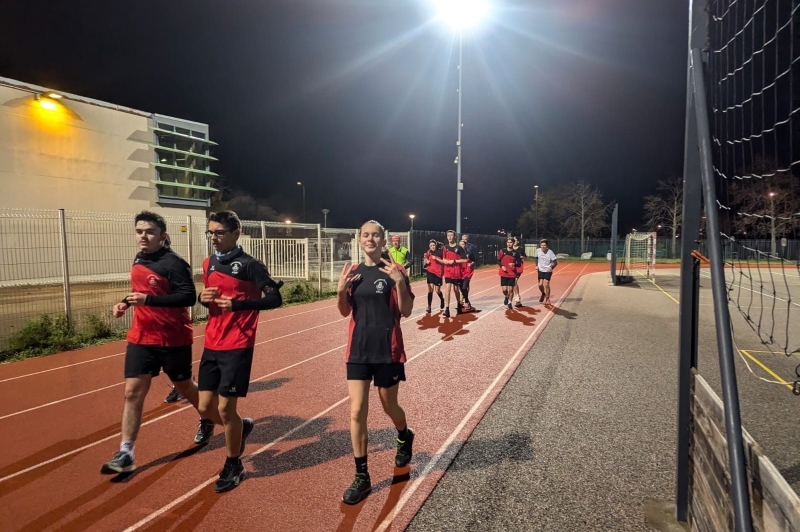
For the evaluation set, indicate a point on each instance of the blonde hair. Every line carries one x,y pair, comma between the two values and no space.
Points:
381,230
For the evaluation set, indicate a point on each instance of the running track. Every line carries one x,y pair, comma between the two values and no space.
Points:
59,421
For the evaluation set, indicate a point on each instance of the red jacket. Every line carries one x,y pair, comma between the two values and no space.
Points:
511,260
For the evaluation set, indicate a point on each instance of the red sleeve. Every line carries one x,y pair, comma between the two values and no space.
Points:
205,271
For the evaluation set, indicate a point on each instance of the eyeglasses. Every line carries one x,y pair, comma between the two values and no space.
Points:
218,234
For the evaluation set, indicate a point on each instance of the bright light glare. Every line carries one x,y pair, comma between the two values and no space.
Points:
288,221
47,104
54,95
461,14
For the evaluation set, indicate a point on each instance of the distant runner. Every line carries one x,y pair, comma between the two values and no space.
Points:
521,250
508,260
546,263
432,263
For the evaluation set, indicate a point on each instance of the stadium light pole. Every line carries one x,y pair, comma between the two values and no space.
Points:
412,216
325,212
536,202
304,200
460,15
773,248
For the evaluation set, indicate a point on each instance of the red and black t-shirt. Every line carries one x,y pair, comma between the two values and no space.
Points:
242,277
511,260
522,257
375,335
468,268
453,271
434,266
164,319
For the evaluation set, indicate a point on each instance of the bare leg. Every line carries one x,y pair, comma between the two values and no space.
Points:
208,407
233,425
359,408
136,389
392,407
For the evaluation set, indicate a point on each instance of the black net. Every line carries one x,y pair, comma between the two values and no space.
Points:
752,80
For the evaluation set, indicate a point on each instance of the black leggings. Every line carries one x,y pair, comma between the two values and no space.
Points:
465,288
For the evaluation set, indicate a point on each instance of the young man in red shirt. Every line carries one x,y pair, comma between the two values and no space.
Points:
521,250
453,256
509,260
467,270
162,289
237,287
377,293
432,262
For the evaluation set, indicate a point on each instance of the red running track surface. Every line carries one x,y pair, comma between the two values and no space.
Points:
60,415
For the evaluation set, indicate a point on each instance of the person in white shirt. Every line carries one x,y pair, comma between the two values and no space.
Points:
546,262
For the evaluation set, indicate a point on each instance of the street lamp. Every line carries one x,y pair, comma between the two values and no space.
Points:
412,216
325,212
773,247
304,200
460,14
536,202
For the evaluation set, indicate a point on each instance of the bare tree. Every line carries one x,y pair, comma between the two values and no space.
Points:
766,207
665,209
527,221
583,210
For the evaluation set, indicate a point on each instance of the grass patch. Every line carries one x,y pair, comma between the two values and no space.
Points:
51,334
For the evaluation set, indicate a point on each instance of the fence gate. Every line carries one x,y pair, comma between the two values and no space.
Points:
285,258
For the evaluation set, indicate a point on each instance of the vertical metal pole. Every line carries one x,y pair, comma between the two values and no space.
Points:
614,244
62,227
264,242
308,246
730,392
536,201
189,254
304,204
458,144
319,258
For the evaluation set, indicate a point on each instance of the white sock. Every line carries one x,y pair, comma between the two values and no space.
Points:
127,447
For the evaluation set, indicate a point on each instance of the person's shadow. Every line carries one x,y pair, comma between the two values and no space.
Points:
523,315
562,313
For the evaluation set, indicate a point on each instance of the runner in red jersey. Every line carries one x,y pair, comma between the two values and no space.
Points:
467,270
237,287
377,292
508,260
521,250
161,336
453,256
432,263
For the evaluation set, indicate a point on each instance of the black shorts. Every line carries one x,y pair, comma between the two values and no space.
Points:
508,281
434,279
384,375
454,282
149,359
545,275
225,372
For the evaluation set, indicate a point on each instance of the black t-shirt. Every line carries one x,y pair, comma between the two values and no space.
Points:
375,336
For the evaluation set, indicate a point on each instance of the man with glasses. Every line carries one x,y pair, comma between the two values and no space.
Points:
237,287
509,260
162,289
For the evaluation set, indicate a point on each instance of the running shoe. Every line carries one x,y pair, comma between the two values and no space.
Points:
510,306
547,302
358,490
446,312
205,430
541,298
174,396
428,310
121,463
231,476
518,303
247,427
404,454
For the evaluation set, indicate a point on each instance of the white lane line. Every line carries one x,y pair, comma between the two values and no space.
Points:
208,482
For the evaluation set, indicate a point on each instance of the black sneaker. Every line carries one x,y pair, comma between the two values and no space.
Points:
358,490
428,310
231,476
510,306
446,312
174,396
121,463
205,430
404,454
247,427
505,301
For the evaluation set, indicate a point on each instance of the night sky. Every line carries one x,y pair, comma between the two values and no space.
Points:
357,98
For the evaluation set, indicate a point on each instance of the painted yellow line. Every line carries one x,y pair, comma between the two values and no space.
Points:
745,352
765,368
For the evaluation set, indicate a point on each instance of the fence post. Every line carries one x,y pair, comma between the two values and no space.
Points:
305,256
62,227
189,253
331,261
264,243
319,258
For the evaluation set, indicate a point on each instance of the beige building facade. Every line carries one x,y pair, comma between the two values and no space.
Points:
63,151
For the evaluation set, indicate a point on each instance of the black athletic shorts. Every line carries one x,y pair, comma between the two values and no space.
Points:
454,282
225,372
545,275
149,359
434,279
508,281
384,375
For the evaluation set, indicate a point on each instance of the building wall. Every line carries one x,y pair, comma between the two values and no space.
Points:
78,156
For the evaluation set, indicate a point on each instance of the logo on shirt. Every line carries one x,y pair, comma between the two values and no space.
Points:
380,286
235,267
213,267
153,280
